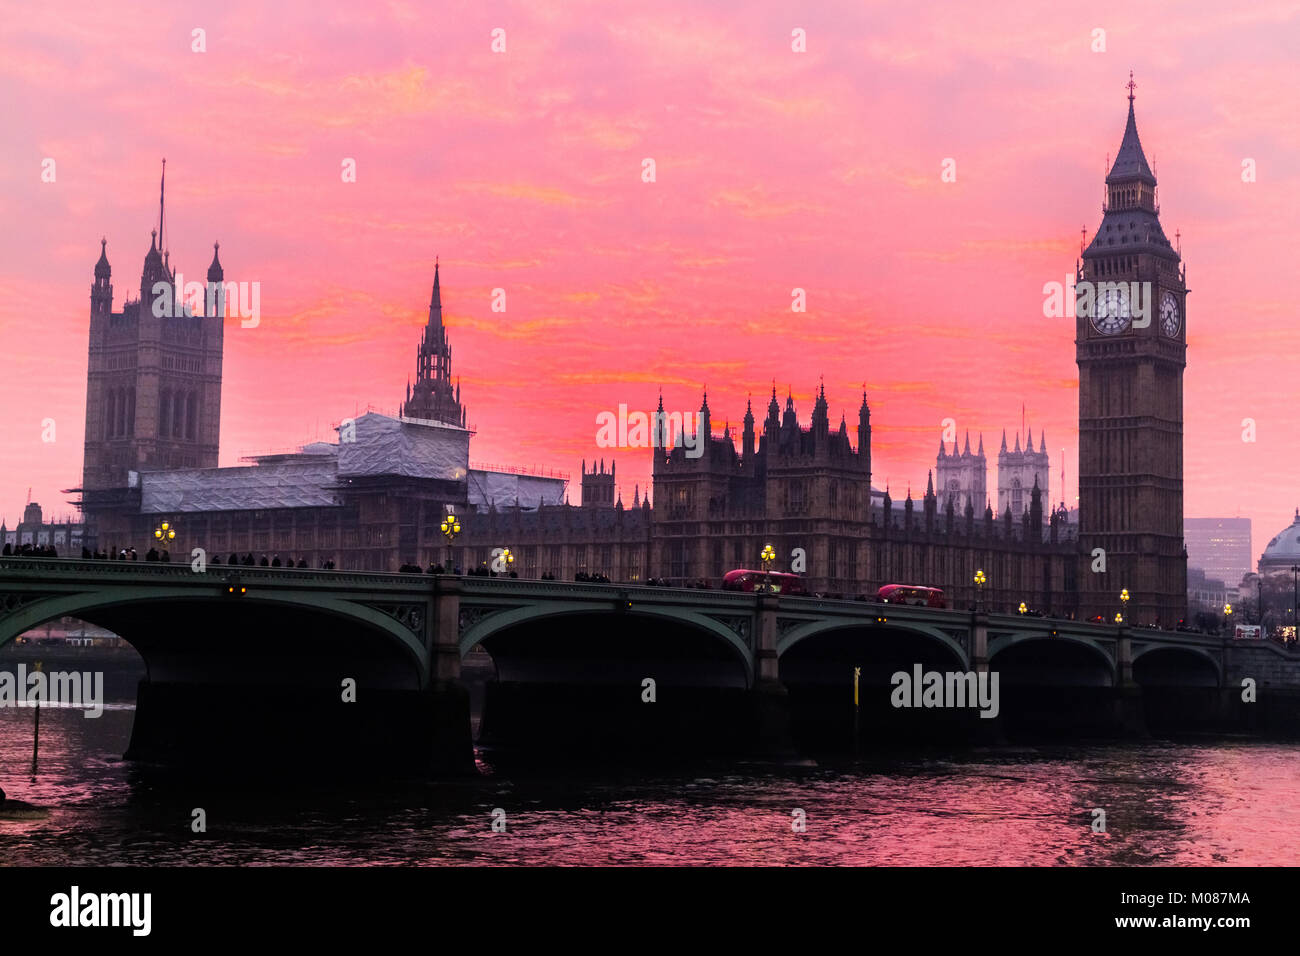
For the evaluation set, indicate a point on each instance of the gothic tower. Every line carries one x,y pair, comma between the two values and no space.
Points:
153,383
597,486
1131,348
433,397
962,479
1020,471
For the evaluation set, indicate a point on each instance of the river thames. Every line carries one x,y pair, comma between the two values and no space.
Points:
1188,803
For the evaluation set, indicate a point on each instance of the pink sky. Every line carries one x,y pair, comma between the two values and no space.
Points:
775,170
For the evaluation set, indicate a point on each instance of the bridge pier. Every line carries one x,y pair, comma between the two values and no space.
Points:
986,731
770,701
452,750
1129,715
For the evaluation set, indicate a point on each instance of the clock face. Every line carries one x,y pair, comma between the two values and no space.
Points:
1111,310
1170,321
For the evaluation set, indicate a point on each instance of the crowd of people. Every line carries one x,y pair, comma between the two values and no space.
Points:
29,551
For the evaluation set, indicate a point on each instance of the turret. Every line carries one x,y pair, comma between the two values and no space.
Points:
821,424
864,438
101,292
215,301
747,439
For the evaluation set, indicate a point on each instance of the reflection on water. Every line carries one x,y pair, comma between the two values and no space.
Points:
1221,802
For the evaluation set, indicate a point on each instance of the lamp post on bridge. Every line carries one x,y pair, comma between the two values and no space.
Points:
979,589
164,532
1227,618
450,527
1123,602
768,556
1295,600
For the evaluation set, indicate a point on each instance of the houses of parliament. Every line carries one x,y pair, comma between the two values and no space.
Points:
375,498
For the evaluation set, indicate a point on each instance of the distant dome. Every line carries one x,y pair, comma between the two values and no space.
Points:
1284,550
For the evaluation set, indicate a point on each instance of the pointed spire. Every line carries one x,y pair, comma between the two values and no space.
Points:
929,484
215,272
1017,442
102,269
980,453
943,451
966,451
162,188
1004,439
1130,162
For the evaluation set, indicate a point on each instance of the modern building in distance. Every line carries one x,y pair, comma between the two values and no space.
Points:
1131,400
1220,547
1206,593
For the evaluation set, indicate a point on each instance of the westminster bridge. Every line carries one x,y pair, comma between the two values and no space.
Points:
367,667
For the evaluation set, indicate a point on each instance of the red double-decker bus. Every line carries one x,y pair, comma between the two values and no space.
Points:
780,581
911,594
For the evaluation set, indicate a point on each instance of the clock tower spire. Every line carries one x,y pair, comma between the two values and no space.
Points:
1131,349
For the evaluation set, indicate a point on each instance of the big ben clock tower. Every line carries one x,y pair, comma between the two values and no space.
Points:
1131,347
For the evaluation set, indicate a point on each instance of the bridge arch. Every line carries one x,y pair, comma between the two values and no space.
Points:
803,632
1171,664
1004,642
498,622
105,607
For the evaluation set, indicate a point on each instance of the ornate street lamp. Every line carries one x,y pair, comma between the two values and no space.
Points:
507,558
768,556
450,527
1123,600
979,585
1227,617
1119,618
164,533
1023,608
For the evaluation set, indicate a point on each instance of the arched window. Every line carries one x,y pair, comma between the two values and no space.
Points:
165,414
121,412
130,411
178,414
192,416
110,414
1017,497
